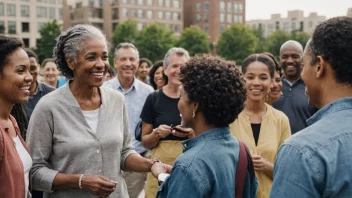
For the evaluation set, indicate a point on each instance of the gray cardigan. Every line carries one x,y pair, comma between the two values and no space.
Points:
60,140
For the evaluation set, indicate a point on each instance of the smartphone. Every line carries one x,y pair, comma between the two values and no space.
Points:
179,130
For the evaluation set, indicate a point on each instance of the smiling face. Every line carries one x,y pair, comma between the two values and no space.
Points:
92,63
33,68
50,72
143,70
126,63
291,61
15,78
275,90
159,77
172,71
258,81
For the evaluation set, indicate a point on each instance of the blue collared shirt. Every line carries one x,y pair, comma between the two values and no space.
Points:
317,162
207,168
135,97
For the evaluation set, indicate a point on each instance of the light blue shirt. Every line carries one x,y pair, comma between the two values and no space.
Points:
135,98
317,162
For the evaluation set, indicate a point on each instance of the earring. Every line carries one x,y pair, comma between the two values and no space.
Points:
194,114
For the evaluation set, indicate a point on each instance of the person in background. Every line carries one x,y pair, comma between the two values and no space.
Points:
261,127
209,162
316,162
51,73
126,59
143,70
15,82
78,134
160,114
294,101
276,88
157,77
110,74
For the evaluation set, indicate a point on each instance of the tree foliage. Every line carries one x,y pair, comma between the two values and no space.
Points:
275,41
261,40
194,40
236,43
301,37
45,45
125,32
154,41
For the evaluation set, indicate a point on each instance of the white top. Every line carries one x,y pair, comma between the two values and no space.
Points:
26,161
92,118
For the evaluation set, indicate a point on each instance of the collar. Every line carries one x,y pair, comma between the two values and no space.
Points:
117,84
212,134
337,105
298,81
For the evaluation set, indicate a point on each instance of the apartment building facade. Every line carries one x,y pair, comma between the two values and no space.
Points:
295,21
349,12
214,16
24,18
107,14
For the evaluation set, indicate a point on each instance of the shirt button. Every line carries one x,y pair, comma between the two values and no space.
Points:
98,151
99,171
290,89
185,145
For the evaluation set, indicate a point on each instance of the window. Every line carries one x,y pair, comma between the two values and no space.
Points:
222,6
229,6
199,6
160,15
286,26
114,25
1,9
222,28
24,0
310,24
2,27
167,15
91,3
133,1
177,29
24,11
161,3
293,26
206,17
25,27
149,14
176,16
150,2
41,1
39,26
140,13
115,13
60,13
26,42
167,3
52,1
229,18
206,28
52,13
197,18
132,13
236,8
206,6
11,10
41,12
124,12
140,2
240,7
124,1
140,26
176,4
240,19
11,27
222,17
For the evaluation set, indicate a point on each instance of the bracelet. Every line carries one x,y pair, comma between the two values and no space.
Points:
80,181
155,160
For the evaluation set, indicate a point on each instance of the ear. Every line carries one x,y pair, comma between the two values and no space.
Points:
164,70
321,67
115,64
195,106
70,63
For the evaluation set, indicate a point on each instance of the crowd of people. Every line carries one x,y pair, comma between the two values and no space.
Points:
209,128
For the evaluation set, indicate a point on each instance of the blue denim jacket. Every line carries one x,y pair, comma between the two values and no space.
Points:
207,168
317,162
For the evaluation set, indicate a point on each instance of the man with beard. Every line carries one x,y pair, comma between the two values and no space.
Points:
294,102
126,61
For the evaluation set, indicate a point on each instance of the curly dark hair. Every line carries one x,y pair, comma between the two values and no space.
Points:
217,85
70,44
152,73
7,47
276,62
259,58
332,39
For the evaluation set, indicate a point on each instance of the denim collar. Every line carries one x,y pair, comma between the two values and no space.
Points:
337,105
212,134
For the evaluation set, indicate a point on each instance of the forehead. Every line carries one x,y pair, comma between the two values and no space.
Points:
126,52
50,65
176,59
94,45
19,56
291,50
257,68
33,61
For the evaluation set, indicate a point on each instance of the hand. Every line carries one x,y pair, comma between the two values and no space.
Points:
188,132
98,185
261,164
163,130
159,167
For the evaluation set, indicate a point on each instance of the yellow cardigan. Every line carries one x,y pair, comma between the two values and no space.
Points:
274,129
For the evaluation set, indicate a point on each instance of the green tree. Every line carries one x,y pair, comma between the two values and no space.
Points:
236,43
301,37
154,41
47,42
194,40
261,40
275,41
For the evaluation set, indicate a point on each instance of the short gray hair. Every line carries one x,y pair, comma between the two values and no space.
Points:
175,50
125,46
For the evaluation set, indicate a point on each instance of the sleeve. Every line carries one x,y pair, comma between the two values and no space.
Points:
127,148
183,182
148,112
39,139
295,174
285,129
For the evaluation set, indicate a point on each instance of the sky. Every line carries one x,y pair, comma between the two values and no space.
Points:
262,9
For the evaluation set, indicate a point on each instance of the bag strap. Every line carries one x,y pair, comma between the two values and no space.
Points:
241,171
